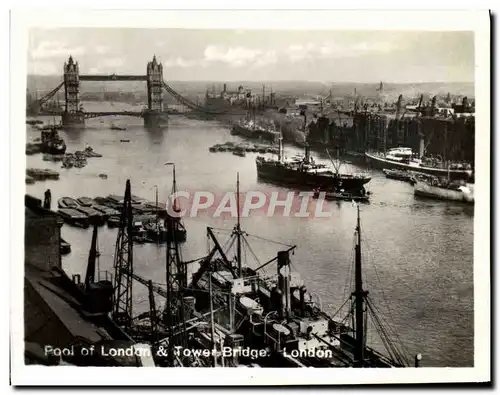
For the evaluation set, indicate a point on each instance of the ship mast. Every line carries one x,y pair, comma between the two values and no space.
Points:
359,295
238,227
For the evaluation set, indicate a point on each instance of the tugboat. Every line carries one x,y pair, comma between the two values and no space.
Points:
52,143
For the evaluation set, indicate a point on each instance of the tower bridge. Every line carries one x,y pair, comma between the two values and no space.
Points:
154,115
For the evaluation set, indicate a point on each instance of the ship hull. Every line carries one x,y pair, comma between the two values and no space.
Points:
239,130
289,176
423,189
382,163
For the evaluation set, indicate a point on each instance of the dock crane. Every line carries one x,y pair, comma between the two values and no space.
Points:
123,265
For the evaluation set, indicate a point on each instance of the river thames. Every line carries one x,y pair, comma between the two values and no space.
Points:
417,254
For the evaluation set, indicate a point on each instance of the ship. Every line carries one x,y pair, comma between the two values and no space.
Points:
277,315
401,175
116,127
403,158
434,188
52,143
303,171
251,129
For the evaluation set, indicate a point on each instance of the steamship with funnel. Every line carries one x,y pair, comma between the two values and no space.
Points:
275,312
403,158
303,171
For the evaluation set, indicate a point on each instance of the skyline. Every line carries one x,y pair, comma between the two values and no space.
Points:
259,55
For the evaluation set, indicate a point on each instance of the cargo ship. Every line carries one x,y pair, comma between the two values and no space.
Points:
252,130
302,171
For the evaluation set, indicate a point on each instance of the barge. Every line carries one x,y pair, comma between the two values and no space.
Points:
67,202
74,217
95,217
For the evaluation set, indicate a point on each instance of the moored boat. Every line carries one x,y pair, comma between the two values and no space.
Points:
401,175
74,217
65,247
116,127
67,202
42,174
85,201
95,217
341,195
106,211
404,159
239,152
443,190
113,222
51,142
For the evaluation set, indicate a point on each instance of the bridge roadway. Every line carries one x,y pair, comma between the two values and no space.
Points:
113,77
96,114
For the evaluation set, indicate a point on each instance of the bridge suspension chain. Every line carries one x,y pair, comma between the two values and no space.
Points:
50,95
188,102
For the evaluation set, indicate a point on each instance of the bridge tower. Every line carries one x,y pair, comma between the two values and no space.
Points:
154,116
72,116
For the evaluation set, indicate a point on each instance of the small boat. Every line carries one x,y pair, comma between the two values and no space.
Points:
213,149
42,174
116,127
239,152
401,175
51,142
103,176
342,195
74,217
139,233
30,180
114,222
33,148
444,190
108,212
64,247
95,216
67,202
124,141
156,232
85,201
90,153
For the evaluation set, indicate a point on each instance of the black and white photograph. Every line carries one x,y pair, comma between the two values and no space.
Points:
236,194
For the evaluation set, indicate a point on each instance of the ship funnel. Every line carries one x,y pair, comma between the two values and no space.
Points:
302,292
284,279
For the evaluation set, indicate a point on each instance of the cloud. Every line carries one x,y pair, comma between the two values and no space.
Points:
238,56
43,68
55,49
106,66
112,63
267,58
100,49
326,50
179,62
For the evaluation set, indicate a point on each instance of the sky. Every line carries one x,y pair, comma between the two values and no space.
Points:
260,55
